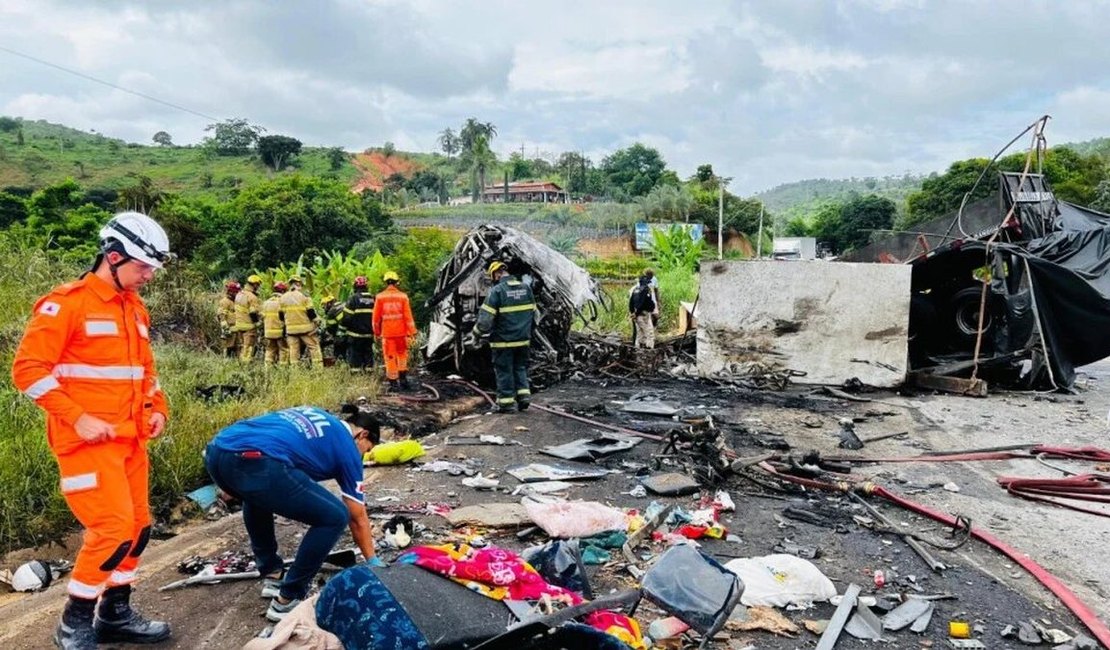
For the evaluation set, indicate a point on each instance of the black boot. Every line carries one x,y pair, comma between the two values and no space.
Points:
405,385
75,632
116,622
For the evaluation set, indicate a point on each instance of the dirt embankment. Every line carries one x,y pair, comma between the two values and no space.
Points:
376,167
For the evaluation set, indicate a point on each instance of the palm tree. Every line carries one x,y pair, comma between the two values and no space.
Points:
481,159
448,142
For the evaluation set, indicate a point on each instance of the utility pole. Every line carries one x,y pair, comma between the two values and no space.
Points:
721,182
759,235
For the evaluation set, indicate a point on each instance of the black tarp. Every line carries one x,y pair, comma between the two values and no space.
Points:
1049,291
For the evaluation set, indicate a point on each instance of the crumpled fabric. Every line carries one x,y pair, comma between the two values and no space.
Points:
358,609
499,574
576,518
297,631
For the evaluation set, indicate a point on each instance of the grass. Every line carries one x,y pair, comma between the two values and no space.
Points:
51,153
32,511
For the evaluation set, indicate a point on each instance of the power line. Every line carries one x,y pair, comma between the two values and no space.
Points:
108,83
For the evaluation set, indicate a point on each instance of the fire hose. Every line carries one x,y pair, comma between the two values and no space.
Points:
1051,582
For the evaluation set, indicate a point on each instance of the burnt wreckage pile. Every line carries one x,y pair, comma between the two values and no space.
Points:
1043,262
564,292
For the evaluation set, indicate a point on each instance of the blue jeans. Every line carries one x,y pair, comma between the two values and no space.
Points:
268,487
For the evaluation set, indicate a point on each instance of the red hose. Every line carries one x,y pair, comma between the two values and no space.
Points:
1066,596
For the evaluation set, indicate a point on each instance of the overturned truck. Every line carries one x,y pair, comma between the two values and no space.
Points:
564,293
1040,267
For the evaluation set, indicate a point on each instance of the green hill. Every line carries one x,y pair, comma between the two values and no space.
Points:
803,198
1097,146
50,153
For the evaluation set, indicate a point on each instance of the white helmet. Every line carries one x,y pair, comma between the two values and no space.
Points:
138,237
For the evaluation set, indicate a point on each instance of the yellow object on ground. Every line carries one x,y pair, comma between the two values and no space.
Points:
394,453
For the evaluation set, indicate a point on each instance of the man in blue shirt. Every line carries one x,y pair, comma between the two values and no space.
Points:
272,463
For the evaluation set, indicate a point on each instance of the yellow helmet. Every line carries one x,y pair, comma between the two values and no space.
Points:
297,279
327,298
494,267
390,275
254,279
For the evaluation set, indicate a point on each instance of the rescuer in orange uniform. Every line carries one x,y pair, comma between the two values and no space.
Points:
393,324
86,360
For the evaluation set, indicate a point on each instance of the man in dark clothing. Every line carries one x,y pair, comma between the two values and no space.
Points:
356,323
506,318
641,307
332,309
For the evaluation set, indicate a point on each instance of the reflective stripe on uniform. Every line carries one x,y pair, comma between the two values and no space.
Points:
78,483
42,387
101,328
506,400
509,344
524,391
87,371
82,590
356,335
489,309
528,307
121,577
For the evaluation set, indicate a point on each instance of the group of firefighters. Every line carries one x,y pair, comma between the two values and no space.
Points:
86,360
287,325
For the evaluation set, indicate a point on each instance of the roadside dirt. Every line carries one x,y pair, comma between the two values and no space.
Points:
990,591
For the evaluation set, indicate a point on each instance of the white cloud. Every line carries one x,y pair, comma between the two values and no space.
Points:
767,92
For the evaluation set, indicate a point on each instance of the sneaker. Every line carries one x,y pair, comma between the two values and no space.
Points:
271,587
278,611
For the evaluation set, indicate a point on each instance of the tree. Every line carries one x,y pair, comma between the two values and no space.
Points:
336,158
635,170
278,221
233,137
575,169
448,142
943,193
13,210
277,150
388,149
860,217
519,167
8,124
142,196
1101,201
19,137
471,130
481,159
704,173
162,139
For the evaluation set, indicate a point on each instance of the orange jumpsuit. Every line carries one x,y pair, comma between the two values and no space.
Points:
393,324
87,350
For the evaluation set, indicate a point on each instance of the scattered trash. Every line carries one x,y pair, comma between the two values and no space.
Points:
32,576
575,519
484,439
491,515
723,501
543,487
205,497
864,624
666,628
649,404
637,492
959,629
671,484
839,618
848,437
452,469
781,580
967,644
694,588
951,487
766,619
592,449
398,531
535,472
804,552
909,613
879,579
394,453
480,482
1028,634
560,562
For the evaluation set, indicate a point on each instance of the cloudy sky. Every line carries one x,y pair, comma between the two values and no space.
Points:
768,92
